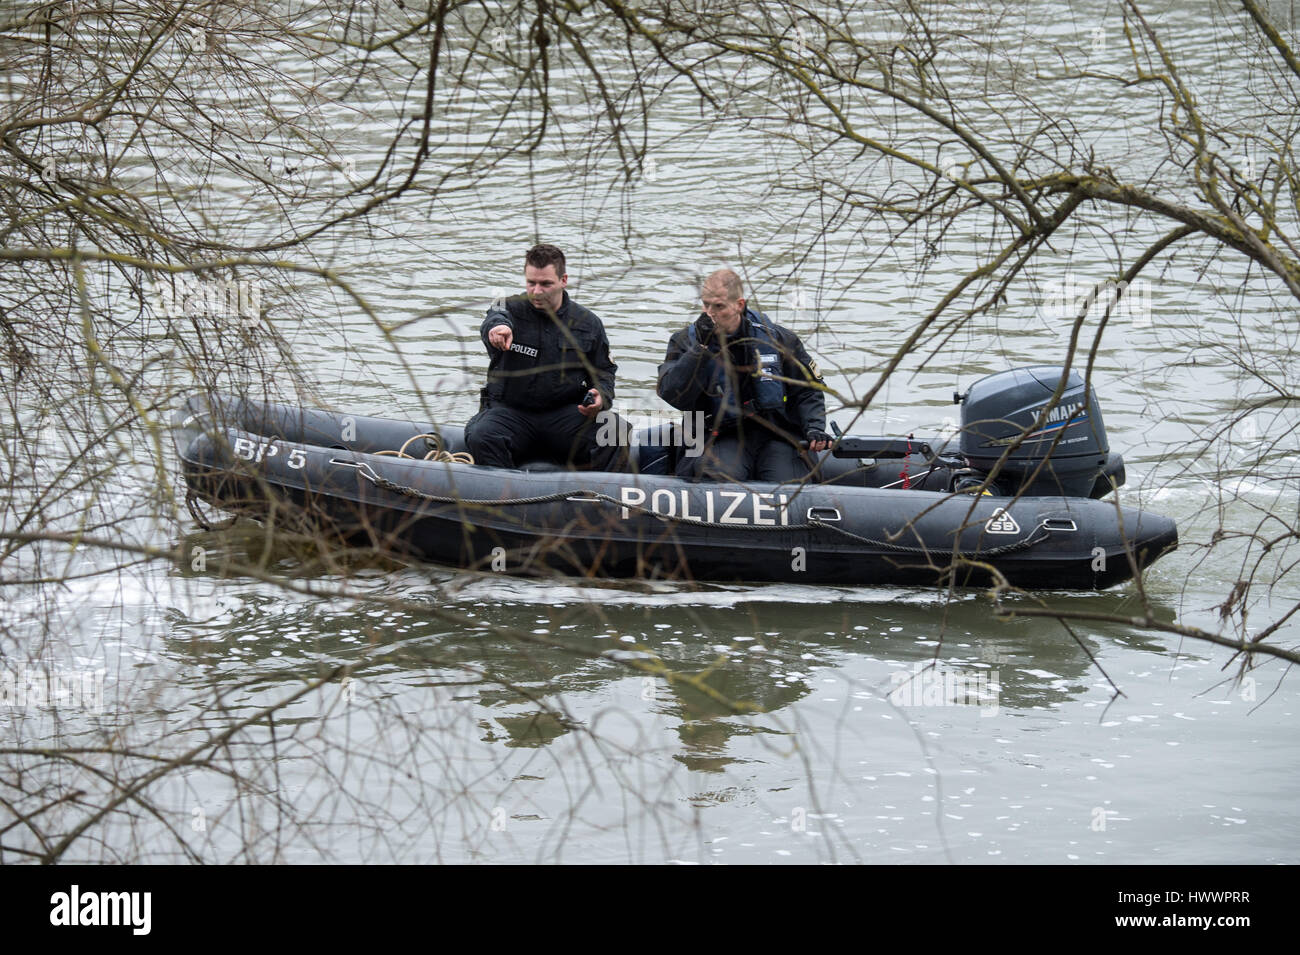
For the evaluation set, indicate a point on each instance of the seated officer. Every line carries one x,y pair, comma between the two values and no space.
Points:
727,366
549,375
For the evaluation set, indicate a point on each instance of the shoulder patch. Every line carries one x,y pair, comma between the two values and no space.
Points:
816,372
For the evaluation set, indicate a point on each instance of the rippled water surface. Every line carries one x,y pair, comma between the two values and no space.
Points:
1098,743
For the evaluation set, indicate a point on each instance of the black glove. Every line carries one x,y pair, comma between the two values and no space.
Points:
706,332
816,435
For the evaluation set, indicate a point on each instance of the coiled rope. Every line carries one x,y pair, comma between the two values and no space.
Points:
435,454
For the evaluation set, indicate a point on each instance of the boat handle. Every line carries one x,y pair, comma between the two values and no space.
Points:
1059,524
823,514
584,497
363,468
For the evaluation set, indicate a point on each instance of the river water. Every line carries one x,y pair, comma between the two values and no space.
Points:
496,719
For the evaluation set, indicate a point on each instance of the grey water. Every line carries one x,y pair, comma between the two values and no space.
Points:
496,719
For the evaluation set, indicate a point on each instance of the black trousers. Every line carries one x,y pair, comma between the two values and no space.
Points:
747,454
504,437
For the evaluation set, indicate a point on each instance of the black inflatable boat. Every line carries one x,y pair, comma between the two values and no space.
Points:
1017,489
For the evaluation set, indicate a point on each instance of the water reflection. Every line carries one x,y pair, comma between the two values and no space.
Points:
540,660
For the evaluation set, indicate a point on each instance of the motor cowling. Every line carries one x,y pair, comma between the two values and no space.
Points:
1001,409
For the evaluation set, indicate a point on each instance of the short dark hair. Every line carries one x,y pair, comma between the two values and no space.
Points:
540,256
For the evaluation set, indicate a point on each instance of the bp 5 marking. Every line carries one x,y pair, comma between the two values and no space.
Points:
259,451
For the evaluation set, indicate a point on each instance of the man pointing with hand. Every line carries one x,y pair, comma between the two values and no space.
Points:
549,375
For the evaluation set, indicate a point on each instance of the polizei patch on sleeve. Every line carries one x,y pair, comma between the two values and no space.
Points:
714,506
523,349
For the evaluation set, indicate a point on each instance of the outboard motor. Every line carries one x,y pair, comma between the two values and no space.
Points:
1003,408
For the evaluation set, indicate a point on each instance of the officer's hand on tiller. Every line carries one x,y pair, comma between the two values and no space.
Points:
591,404
818,440
500,337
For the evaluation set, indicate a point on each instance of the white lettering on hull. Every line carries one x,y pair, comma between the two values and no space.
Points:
720,506
736,497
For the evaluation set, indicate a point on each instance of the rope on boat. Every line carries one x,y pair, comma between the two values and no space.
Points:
436,453
191,502
586,495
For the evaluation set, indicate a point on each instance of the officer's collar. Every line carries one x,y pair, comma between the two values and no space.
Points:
561,312
746,327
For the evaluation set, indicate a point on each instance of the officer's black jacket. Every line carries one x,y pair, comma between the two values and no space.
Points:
687,371
552,361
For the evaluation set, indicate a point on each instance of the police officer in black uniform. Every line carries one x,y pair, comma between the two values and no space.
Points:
549,376
726,366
